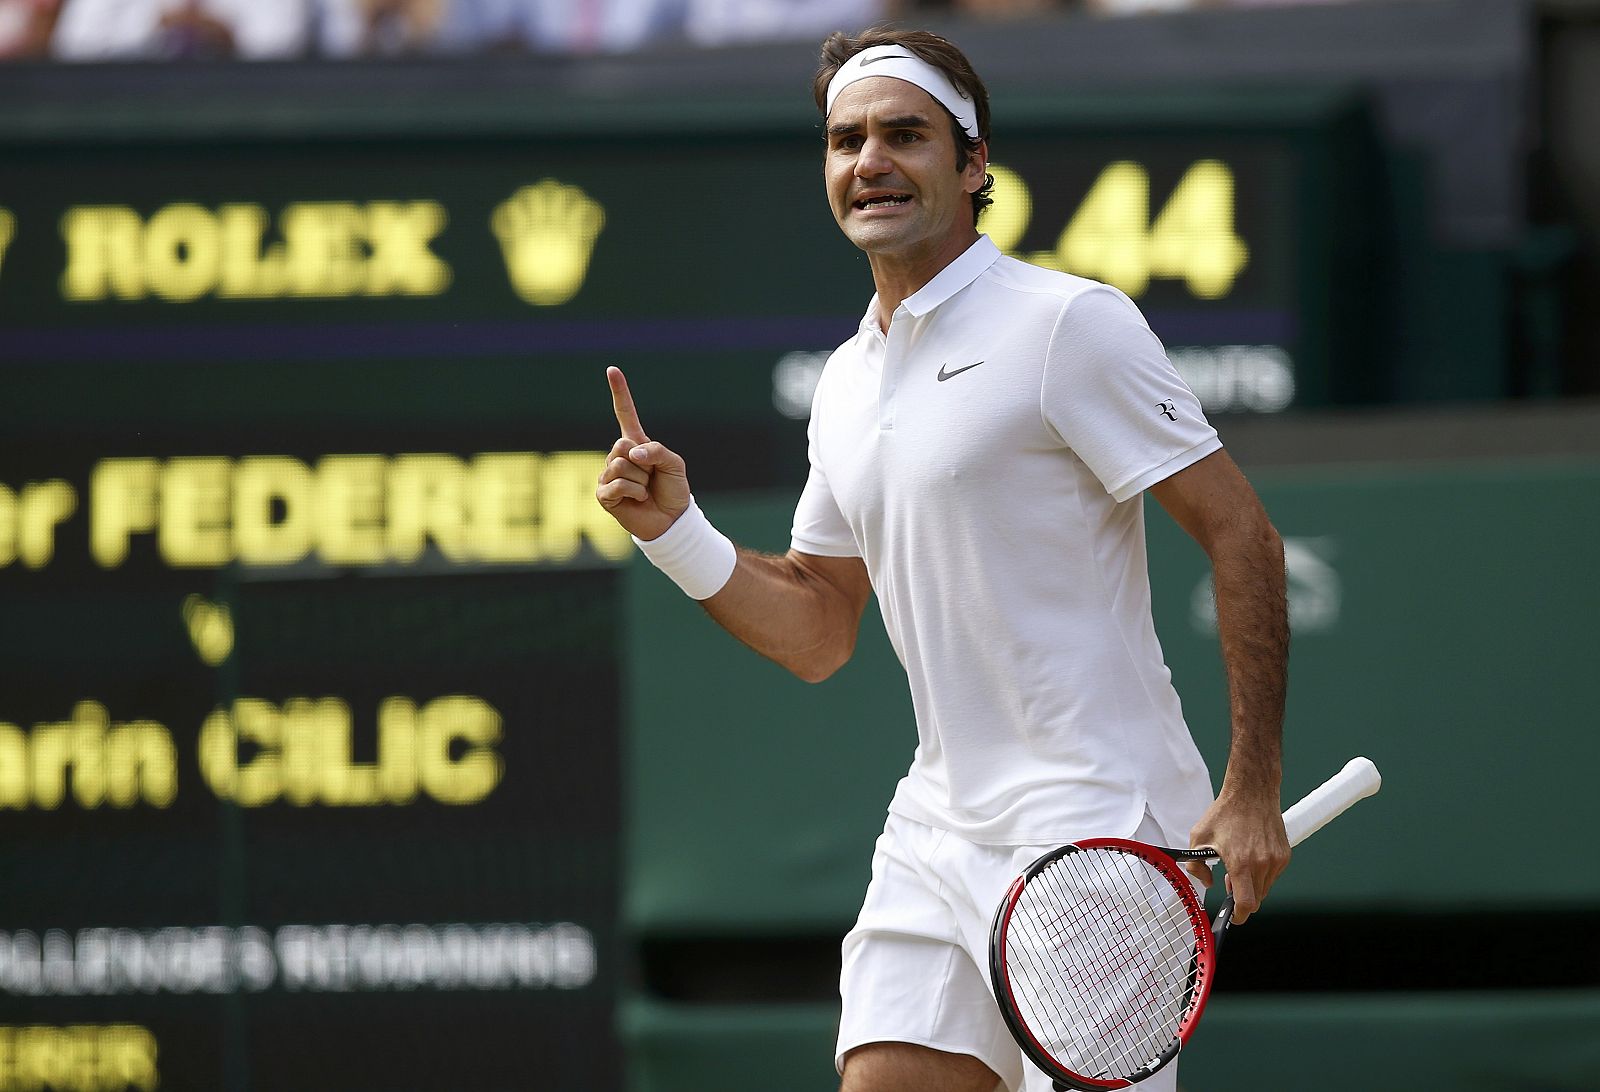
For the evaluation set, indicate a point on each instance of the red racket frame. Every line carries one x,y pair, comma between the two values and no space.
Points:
1206,944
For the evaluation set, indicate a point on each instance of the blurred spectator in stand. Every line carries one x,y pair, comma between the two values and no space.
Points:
1143,7
616,26
111,30
556,26
984,9
731,22
1158,7
1005,9
25,28
384,28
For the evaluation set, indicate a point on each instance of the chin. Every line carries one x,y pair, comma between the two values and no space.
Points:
881,238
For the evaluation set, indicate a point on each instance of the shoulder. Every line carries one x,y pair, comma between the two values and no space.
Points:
1031,287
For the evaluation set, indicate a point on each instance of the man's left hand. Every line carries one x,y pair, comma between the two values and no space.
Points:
1247,833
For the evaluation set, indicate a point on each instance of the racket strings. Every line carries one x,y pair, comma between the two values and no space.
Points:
1101,952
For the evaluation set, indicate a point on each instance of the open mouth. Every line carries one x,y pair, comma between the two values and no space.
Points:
888,200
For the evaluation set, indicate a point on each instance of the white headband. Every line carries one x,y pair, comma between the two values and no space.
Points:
900,63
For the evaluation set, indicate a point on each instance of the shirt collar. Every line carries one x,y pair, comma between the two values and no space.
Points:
869,321
968,266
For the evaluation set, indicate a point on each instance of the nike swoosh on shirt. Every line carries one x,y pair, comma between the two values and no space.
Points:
943,374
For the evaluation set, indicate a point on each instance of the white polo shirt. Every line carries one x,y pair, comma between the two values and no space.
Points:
986,460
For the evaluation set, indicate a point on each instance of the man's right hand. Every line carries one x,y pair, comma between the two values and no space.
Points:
645,486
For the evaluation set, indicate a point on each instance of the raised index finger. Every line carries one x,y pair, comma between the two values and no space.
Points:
622,403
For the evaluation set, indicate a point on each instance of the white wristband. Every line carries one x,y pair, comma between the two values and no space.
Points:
698,557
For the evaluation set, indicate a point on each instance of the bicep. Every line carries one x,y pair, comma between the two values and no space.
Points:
1212,501
843,579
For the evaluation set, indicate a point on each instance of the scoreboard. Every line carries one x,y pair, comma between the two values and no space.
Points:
310,721
349,278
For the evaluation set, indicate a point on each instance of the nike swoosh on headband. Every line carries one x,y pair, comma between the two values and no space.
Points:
914,70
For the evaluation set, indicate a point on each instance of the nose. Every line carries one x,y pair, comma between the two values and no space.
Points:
873,159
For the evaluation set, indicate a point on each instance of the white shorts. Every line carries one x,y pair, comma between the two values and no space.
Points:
916,964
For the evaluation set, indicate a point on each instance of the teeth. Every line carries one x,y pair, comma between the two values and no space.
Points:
880,202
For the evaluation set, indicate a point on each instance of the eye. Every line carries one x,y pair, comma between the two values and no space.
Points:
849,142
909,136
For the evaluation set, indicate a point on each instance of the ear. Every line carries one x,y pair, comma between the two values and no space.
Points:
977,167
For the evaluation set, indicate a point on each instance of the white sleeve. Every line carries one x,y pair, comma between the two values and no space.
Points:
819,527
1115,399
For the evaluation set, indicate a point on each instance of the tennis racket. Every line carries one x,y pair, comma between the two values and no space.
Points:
1101,954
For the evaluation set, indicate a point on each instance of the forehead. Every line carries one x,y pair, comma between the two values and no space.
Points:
878,97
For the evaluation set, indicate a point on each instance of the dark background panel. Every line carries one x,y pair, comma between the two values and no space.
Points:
541,849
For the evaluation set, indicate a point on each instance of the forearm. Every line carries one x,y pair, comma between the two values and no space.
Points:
1253,627
1213,502
800,610
789,612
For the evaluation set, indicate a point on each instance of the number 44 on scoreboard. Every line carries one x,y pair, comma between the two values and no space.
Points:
1112,238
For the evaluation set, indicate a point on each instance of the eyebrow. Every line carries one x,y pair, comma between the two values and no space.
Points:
907,121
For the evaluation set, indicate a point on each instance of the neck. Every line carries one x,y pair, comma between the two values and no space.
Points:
899,274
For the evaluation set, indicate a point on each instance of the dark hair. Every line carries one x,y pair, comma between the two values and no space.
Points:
840,47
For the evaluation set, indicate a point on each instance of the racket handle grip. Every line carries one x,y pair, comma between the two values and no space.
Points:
1358,780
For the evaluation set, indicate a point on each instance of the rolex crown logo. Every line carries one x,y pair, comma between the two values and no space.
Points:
547,233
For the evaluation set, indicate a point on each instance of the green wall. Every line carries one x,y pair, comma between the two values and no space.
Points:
1445,626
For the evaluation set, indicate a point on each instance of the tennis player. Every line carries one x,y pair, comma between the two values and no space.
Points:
979,452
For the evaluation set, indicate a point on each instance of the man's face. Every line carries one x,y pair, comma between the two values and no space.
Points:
890,169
